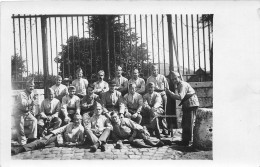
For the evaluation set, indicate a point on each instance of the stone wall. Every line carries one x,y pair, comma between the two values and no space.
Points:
204,91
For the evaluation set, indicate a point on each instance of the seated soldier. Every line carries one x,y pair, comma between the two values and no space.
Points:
70,106
88,103
101,86
98,129
140,83
152,108
134,102
124,128
48,118
160,85
25,107
80,84
69,135
121,82
112,101
60,90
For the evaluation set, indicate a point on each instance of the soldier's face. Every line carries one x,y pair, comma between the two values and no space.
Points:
90,90
135,74
51,96
115,118
112,88
119,72
155,71
151,89
101,76
72,92
77,121
99,110
80,75
58,81
174,79
132,89
30,88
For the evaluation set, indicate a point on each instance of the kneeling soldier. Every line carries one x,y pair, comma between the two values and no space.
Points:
133,102
48,118
98,129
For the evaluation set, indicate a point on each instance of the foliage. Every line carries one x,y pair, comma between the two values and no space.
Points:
91,53
18,66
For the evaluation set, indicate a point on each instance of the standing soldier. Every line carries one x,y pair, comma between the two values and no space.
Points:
70,105
26,101
121,82
80,84
134,103
139,82
161,85
60,90
101,86
48,118
190,103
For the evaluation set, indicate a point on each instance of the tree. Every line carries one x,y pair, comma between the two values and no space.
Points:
18,66
91,53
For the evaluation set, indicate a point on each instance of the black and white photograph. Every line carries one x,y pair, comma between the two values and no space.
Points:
98,82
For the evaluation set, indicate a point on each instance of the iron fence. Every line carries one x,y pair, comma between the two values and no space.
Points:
47,45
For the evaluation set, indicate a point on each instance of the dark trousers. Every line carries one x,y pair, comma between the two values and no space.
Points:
188,117
40,143
43,124
94,138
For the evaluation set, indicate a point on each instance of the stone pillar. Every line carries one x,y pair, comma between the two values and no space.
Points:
203,130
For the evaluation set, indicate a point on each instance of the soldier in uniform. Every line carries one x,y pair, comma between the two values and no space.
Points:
88,104
161,85
190,103
101,86
121,82
134,103
98,129
60,90
152,108
25,106
69,135
139,82
80,84
112,101
48,118
70,106
124,128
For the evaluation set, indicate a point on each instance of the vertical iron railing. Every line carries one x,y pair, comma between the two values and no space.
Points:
139,40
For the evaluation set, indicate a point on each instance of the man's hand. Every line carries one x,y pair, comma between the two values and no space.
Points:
134,115
67,119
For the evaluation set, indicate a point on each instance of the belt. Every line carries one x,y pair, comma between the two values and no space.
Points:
186,97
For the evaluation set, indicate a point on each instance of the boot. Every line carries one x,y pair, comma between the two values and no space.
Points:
17,150
119,144
140,144
103,147
150,142
94,147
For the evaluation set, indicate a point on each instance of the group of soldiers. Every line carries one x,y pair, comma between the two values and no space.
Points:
84,113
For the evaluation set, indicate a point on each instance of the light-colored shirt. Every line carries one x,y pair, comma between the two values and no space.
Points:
184,88
152,100
125,127
140,84
160,82
71,133
101,86
50,107
88,101
121,82
133,101
25,101
60,91
81,86
98,123
114,99
73,102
